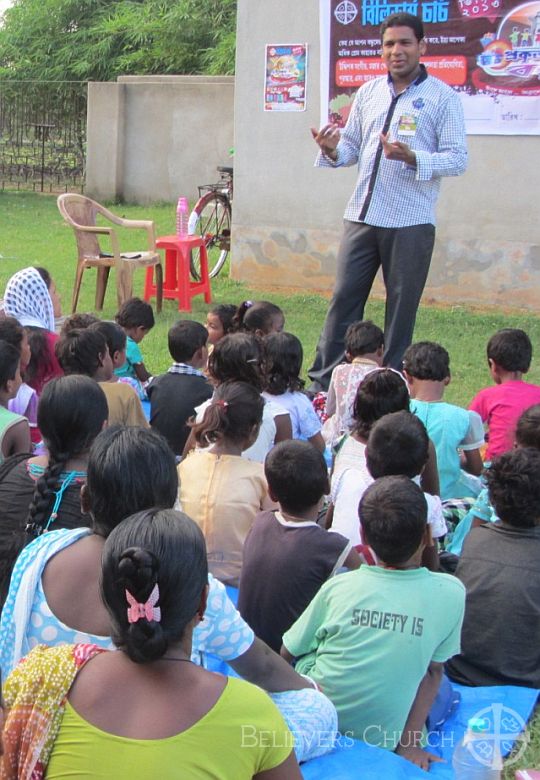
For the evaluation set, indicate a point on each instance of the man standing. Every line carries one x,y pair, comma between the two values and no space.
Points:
405,131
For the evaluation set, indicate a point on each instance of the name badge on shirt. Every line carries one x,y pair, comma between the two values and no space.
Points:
407,124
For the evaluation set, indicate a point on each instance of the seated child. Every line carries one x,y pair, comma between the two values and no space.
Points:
482,511
284,356
219,489
137,319
509,354
287,548
26,400
238,357
426,366
499,568
398,445
376,639
86,352
14,428
219,322
174,395
258,318
364,347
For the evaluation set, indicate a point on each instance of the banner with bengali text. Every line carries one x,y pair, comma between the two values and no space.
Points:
487,50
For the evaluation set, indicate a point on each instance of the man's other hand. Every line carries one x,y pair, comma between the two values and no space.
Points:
397,150
327,138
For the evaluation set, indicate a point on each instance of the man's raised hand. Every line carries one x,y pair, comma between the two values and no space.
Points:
327,138
397,150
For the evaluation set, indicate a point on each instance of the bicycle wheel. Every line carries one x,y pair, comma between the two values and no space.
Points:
211,218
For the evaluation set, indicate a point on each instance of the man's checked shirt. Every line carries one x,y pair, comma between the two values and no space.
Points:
390,193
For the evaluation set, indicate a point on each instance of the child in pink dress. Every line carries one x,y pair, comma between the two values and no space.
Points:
364,347
509,354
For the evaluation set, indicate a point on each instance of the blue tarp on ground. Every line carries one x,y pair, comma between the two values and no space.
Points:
507,708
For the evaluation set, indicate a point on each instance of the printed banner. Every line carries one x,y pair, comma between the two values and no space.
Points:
487,50
285,77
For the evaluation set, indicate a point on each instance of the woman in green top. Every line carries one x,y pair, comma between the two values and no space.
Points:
146,710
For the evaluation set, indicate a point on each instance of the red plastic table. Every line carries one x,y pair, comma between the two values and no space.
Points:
177,283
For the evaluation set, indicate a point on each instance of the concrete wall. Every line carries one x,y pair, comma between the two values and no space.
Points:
153,138
287,215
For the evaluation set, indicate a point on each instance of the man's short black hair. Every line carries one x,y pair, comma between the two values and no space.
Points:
185,338
297,475
398,444
393,514
427,360
514,487
363,338
403,19
135,313
511,349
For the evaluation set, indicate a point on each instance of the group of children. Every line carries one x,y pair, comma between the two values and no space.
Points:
250,448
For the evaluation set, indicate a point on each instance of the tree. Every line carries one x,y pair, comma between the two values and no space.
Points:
98,40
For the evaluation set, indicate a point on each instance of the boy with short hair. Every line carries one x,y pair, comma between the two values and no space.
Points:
509,353
376,639
14,428
499,568
287,548
174,395
398,444
426,366
86,352
364,347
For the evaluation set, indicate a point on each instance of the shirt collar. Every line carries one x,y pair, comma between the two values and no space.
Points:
422,76
183,368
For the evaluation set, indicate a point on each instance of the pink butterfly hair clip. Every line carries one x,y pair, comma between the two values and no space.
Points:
147,611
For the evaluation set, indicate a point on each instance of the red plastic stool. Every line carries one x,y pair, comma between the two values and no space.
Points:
177,283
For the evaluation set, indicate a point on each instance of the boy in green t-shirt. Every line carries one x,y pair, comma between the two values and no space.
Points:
376,639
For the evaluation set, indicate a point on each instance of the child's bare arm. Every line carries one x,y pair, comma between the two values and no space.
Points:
473,462
410,743
141,372
283,427
430,476
353,560
318,442
17,439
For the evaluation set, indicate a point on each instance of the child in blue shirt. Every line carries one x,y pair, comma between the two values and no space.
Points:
137,319
426,366
284,356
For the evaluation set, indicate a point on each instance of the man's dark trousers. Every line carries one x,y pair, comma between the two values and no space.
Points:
404,255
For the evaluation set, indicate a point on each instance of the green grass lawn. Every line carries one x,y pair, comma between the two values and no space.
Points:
33,233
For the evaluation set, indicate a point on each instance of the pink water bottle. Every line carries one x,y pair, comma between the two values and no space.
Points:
182,209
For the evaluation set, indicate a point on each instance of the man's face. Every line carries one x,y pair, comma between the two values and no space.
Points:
401,52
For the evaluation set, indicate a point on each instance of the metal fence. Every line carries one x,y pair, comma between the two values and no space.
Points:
42,136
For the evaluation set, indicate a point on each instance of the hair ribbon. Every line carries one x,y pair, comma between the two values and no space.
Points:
147,611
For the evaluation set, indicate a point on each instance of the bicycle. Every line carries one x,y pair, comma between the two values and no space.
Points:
211,218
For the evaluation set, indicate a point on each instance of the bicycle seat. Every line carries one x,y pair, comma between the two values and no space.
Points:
225,169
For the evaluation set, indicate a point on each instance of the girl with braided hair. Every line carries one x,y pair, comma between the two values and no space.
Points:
145,710
219,489
41,493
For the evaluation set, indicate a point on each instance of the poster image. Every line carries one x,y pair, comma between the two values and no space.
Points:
285,77
487,50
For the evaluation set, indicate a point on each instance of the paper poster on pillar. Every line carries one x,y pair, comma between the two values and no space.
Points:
285,77
487,50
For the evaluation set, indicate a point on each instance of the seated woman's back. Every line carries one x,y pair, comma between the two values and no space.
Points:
43,493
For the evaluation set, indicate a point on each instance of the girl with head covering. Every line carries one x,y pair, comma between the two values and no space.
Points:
31,298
